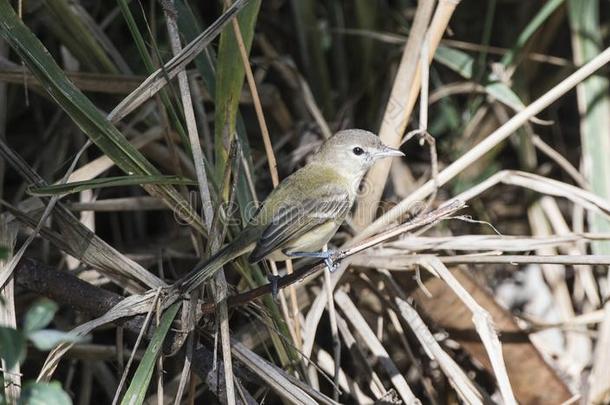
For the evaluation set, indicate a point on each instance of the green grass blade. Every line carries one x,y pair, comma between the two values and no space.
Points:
77,38
84,113
190,27
136,392
150,68
78,186
531,28
159,78
594,105
229,82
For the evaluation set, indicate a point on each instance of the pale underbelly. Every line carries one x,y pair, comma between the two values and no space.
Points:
313,241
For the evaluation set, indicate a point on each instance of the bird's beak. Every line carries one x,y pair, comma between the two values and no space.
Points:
386,151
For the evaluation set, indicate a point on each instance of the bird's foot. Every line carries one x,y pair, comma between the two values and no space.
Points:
327,255
273,279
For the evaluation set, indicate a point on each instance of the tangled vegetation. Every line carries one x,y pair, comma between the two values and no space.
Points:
139,137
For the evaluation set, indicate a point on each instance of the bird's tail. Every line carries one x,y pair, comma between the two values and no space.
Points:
242,244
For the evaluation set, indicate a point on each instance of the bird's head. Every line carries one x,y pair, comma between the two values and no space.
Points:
354,151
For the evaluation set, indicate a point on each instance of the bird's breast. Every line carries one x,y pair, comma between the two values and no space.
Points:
312,241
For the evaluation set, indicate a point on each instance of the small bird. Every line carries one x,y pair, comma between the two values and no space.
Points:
305,210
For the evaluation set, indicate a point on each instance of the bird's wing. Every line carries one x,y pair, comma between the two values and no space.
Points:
298,219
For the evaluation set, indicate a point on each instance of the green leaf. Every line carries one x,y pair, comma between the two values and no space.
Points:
12,346
136,392
458,61
3,252
462,63
39,315
77,186
84,113
38,393
229,82
505,95
47,339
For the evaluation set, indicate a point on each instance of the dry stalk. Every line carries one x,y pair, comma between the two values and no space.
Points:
488,143
483,324
396,113
359,323
198,159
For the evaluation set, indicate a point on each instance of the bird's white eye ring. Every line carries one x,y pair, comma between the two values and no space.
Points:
358,151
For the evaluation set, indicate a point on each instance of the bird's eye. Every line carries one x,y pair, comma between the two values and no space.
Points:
358,151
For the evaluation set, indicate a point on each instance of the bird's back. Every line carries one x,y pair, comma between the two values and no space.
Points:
311,181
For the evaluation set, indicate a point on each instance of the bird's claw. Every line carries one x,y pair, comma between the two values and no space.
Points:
328,256
330,264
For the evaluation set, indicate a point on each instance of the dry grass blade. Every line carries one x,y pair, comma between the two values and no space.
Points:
504,243
326,362
364,330
483,323
317,308
541,185
394,261
119,204
397,111
130,306
328,289
271,374
585,276
208,214
593,97
491,141
457,377
375,384
159,78
78,241
11,375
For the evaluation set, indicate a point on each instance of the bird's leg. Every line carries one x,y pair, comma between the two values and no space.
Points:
327,255
273,279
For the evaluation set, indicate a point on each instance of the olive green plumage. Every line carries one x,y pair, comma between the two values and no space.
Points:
305,210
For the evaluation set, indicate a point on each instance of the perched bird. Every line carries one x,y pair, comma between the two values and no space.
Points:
305,210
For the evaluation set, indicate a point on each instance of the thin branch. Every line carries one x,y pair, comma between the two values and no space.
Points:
289,279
